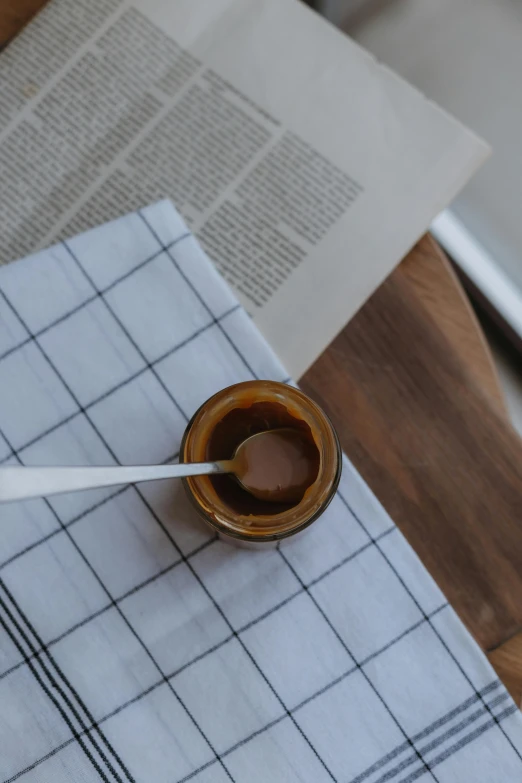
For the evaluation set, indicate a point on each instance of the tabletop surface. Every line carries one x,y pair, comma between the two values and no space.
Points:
410,385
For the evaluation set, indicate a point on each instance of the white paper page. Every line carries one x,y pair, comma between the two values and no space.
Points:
306,169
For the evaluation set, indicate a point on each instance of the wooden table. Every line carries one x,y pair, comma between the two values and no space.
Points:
411,387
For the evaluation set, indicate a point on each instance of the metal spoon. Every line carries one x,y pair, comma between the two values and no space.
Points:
20,483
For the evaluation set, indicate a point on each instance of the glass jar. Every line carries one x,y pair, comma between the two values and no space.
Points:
227,419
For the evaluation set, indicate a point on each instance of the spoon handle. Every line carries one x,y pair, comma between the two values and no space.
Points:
20,483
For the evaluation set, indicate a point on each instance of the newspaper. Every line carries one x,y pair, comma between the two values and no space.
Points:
306,169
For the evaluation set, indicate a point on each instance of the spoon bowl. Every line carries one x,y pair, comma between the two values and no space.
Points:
276,466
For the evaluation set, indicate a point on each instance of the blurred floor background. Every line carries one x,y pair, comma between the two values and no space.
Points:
467,56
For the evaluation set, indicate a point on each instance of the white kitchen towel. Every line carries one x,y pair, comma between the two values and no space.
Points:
134,645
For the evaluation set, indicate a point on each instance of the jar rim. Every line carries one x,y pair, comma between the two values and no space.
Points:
261,527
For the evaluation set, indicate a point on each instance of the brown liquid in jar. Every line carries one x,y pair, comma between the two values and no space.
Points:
238,425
